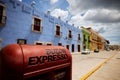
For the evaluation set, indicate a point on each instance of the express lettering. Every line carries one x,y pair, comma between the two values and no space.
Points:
52,55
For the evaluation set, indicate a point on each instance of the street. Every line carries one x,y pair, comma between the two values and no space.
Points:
83,64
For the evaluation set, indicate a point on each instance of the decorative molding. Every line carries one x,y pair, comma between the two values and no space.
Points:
51,19
13,3
26,9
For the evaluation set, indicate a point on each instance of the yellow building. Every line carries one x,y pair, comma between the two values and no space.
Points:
93,39
96,41
101,42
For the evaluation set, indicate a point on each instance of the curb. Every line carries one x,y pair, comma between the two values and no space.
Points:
96,68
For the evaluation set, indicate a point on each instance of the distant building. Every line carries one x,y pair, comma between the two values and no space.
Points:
101,42
96,40
24,24
93,39
85,38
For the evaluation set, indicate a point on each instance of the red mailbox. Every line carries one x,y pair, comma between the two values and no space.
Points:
35,62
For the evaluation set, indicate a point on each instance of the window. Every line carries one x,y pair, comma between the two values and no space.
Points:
68,47
2,15
37,24
78,47
38,43
89,39
59,44
78,37
84,40
21,41
49,44
58,33
70,34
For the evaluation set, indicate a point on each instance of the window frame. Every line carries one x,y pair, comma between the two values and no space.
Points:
69,34
78,36
59,34
49,44
33,24
59,44
3,19
21,41
42,43
68,46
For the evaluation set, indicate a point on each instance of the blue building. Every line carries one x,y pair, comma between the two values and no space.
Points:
25,24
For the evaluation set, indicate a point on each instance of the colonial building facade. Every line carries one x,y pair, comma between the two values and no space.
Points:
85,38
21,23
24,24
96,41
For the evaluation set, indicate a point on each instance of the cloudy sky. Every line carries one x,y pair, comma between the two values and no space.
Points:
102,15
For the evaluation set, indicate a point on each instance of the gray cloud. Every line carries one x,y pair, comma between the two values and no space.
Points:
94,4
109,4
103,16
97,11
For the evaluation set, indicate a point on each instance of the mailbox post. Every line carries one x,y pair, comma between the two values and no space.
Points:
35,62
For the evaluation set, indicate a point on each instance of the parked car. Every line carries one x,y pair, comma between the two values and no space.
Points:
96,50
86,51
108,49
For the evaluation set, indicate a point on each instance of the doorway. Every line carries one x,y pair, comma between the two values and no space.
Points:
78,48
72,47
67,46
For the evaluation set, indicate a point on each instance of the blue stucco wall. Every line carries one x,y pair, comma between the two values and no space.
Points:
19,26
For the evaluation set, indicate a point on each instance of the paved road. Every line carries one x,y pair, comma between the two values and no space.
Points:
82,64
109,71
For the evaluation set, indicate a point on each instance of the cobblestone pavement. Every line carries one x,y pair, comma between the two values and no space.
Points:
82,64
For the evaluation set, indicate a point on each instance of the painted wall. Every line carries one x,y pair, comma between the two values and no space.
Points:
19,26
85,39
